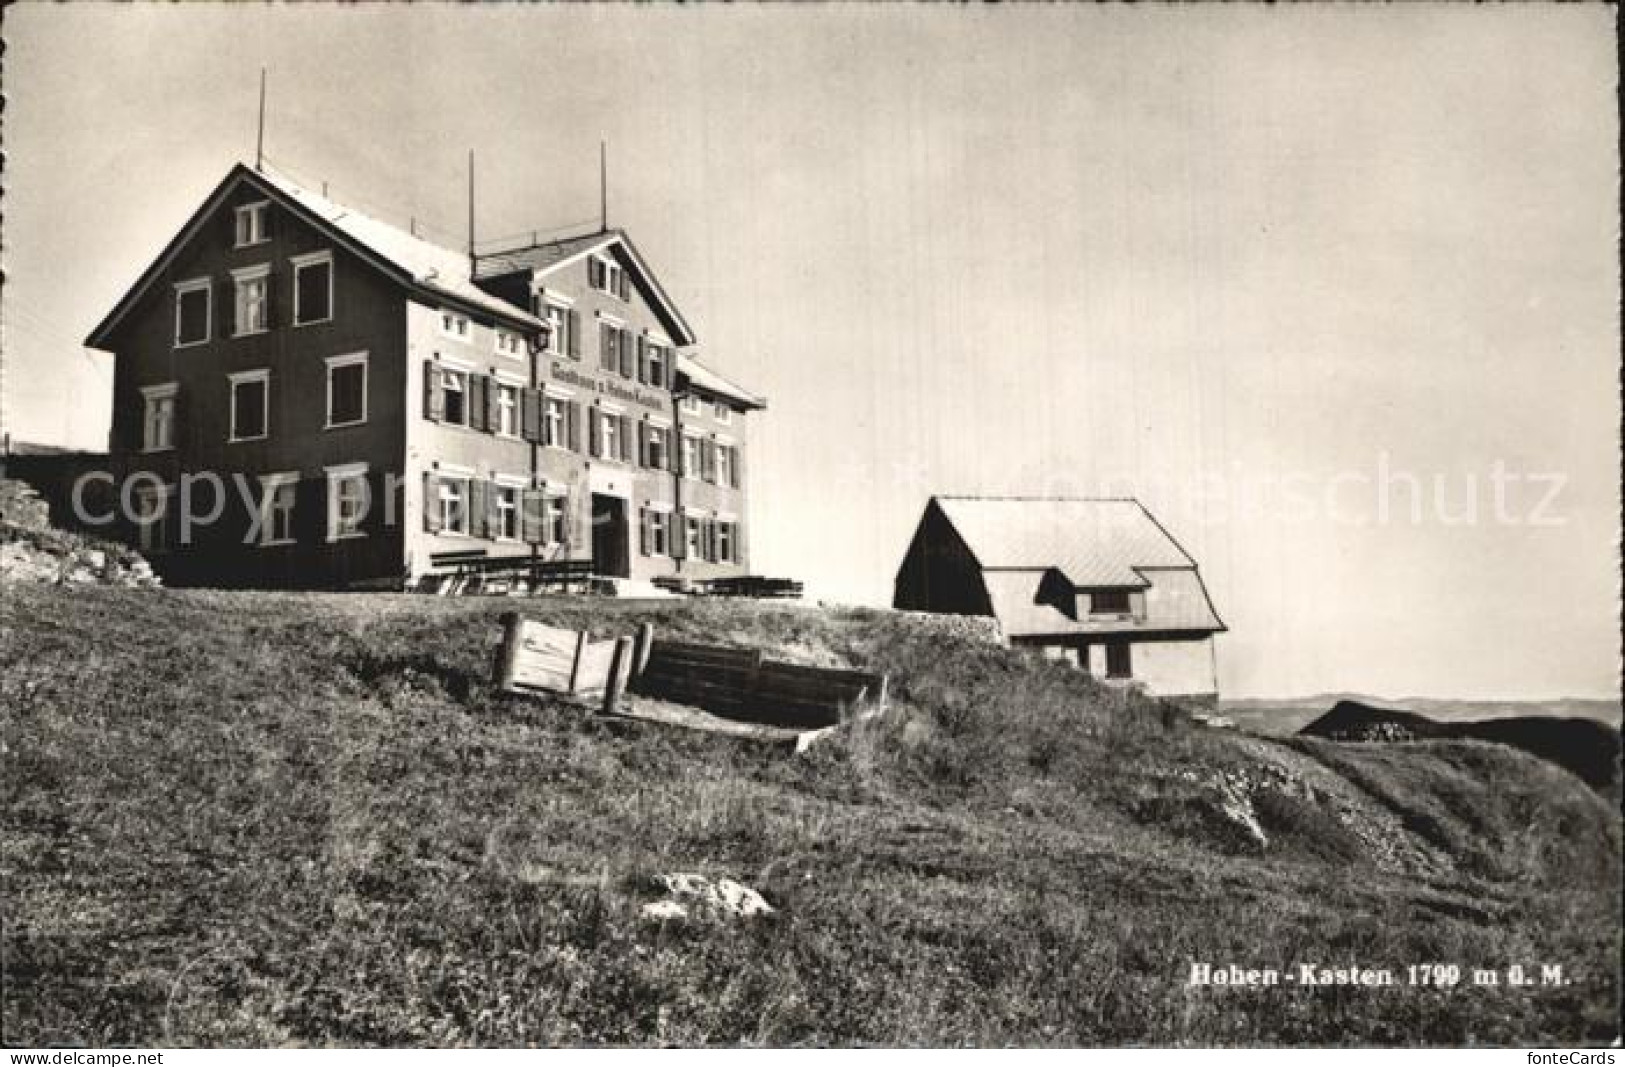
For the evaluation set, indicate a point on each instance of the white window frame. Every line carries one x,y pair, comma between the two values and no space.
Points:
727,465
150,395
611,271
153,535
349,359
444,480
721,412
549,438
262,376
690,405
271,485
660,523
455,325
508,344
502,383
658,432
259,272
509,512
258,232
557,336
609,428
694,535
448,373
194,285
300,263
691,470
555,516
337,477
727,529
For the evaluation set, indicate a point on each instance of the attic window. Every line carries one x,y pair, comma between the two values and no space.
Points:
192,312
251,223
605,275
454,325
1109,602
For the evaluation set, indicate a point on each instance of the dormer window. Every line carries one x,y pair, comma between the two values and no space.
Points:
1109,602
251,223
606,275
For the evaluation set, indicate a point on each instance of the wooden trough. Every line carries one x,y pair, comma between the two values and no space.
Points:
731,683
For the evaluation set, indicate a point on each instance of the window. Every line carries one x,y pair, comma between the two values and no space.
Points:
656,364
251,223
505,399
252,310
509,344
1109,602
346,390
691,456
193,312
606,276
727,466
690,405
158,417
613,347
721,412
609,436
454,383
656,532
1118,664
554,423
312,288
505,526
155,518
453,504
727,539
250,405
694,537
454,325
657,447
555,525
347,501
276,508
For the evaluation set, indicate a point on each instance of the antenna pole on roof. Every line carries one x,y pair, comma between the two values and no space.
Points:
259,138
471,211
603,187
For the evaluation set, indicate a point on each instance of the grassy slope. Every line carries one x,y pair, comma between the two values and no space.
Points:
246,819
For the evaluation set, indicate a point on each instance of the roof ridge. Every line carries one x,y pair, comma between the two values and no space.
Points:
1042,499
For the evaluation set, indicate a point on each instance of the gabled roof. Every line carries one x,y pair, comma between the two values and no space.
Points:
542,259
709,380
1094,543
436,273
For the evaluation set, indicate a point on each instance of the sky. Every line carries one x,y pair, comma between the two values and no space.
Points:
1332,289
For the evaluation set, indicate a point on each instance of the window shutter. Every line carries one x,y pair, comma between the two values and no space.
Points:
529,415
592,430
628,353
478,507
645,434
478,401
531,503
434,398
572,418
679,535
378,508
643,531
431,502
625,437
643,359
595,272
708,460
606,353
574,320
620,284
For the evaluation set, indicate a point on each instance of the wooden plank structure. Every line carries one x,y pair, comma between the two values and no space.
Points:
537,658
731,683
473,570
741,684
748,585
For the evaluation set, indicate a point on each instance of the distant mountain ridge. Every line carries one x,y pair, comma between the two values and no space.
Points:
1584,747
1287,715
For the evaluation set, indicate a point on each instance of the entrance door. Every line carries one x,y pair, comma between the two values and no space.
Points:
610,533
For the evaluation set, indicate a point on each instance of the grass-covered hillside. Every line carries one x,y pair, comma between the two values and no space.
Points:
269,819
